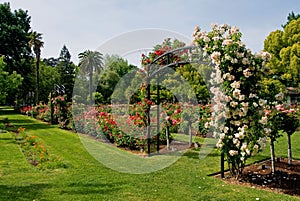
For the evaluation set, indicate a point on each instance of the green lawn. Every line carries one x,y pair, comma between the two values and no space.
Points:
87,179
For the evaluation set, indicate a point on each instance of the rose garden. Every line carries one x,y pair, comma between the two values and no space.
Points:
215,95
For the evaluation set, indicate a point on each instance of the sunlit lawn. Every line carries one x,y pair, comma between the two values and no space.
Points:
87,179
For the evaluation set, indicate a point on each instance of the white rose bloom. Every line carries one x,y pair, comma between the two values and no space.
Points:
279,96
235,61
244,146
233,152
242,97
264,120
233,104
228,99
227,42
252,95
226,129
239,54
236,93
255,104
245,61
267,130
262,102
215,56
236,84
232,77
247,73
222,135
206,39
207,124
245,105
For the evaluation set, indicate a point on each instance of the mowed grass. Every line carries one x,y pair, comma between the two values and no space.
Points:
85,178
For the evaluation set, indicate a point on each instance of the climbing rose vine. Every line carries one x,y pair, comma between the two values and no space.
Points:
237,117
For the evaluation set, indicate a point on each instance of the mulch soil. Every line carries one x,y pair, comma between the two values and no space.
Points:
286,178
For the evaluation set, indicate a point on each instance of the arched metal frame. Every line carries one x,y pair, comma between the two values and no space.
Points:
187,49
166,57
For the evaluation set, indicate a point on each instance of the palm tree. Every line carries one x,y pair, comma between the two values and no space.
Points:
90,62
36,43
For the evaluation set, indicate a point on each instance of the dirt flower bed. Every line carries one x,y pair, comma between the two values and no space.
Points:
285,180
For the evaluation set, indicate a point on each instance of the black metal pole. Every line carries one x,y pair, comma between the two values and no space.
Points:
222,165
148,113
158,115
51,109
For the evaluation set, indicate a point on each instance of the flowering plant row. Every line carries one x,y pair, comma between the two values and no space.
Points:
35,151
62,112
130,130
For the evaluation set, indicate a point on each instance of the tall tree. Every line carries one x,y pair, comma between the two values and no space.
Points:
67,71
285,50
14,37
8,82
36,43
292,16
49,76
90,62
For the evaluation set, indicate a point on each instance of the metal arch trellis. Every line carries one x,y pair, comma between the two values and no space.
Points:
188,54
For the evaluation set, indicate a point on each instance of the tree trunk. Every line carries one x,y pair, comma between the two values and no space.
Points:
272,156
190,134
289,150
91,88
37,74
168,137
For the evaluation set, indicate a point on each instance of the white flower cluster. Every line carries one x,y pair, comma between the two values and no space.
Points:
234,90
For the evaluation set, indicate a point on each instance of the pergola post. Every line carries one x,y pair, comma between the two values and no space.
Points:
148,112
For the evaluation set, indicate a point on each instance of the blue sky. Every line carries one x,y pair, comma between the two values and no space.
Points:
82,25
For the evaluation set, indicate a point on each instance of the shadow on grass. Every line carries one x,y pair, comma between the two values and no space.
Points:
23,122
28,192
91,188
35,191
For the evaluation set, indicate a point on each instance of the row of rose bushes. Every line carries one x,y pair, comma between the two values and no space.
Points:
125,126
62,112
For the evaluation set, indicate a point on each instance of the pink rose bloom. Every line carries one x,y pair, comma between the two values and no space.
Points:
167,118
279,107
174,122
291,110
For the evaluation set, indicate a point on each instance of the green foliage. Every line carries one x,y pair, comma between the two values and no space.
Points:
8,82
292,16
107,82
14,37
115,69
49,77
67,72
117,64
270,88
285,50
90,63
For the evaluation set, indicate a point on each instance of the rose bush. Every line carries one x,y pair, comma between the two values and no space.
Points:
237,107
